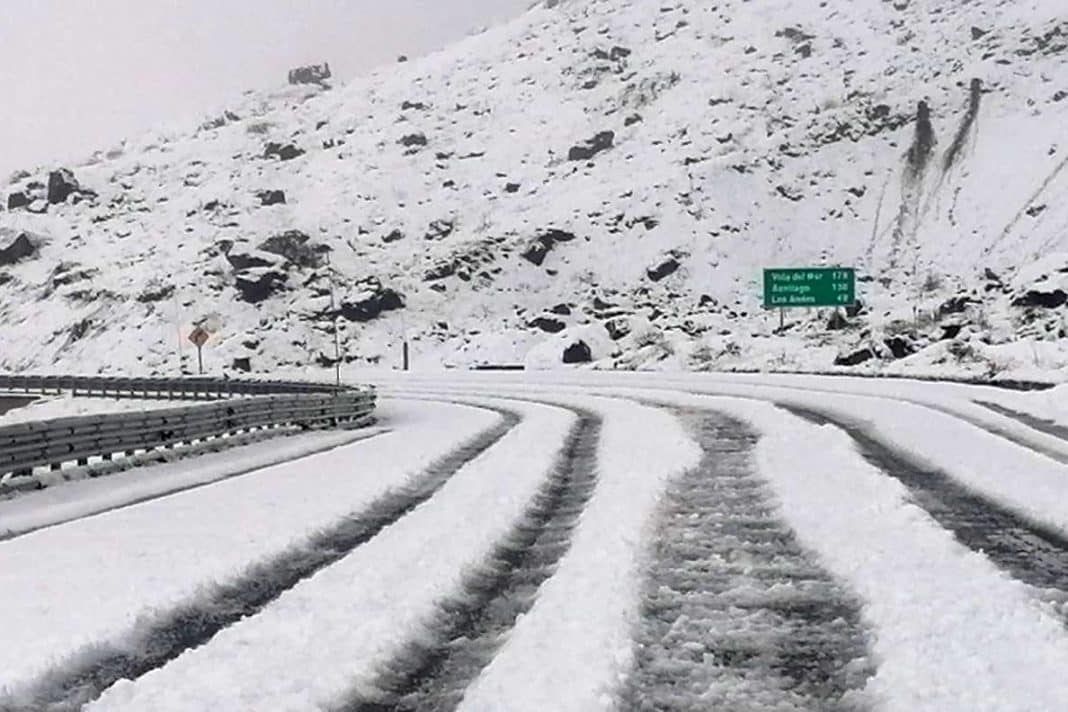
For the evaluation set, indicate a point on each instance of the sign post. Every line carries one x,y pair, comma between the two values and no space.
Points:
809,287
199,336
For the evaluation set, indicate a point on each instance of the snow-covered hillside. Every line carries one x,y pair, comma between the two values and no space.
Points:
610,172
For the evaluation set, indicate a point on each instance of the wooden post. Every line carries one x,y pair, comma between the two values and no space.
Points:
406,361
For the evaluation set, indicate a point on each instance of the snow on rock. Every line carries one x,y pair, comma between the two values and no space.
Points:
731,136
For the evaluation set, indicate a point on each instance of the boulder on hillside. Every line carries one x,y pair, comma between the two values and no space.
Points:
855,358
18,199
591,147
900,347
548,324
544,243
243,364
242,260
663,270
578,352
310,74
1041,298
258,285
283,152
22,246
62,184
296,248
414,140
369,301
271,197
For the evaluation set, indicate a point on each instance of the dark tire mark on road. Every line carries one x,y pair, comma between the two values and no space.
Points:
735,614
1032,553
432,674
89,674
1040,424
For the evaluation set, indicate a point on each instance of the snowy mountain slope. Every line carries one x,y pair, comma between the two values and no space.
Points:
599,170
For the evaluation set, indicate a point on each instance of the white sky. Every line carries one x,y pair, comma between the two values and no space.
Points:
80,75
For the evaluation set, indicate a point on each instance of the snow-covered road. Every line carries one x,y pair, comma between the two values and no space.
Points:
575,542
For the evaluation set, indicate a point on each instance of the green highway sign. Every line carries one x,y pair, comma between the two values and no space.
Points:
812,287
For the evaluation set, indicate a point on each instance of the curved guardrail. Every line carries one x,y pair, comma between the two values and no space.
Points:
275,404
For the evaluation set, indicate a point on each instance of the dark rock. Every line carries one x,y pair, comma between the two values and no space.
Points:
295,247
243,364
951,331
978,33
439,230
18,200
156,293
413,140
283,152
854,310
837,322
1035,210
1043,299
632,119
578,352
663,270
242,261
417,105
956,305
617,328
441,271
548,324
311,74
21,248
561,310
257,286
271,197
370,307
899,346
394,236
804,50
707,301
542,244
61,185
511,187
584,152
856,358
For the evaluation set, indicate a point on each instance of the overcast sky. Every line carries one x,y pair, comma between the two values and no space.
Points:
80,75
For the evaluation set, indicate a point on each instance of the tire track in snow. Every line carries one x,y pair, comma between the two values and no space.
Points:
1040,424
1029,552
736,615
433,672
157,642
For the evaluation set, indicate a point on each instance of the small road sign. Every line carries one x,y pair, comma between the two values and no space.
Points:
812,287
199,336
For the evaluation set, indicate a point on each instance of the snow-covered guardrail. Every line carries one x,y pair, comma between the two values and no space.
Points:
162,388
52,443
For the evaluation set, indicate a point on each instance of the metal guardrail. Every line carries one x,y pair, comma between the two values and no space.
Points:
162,388
53,443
